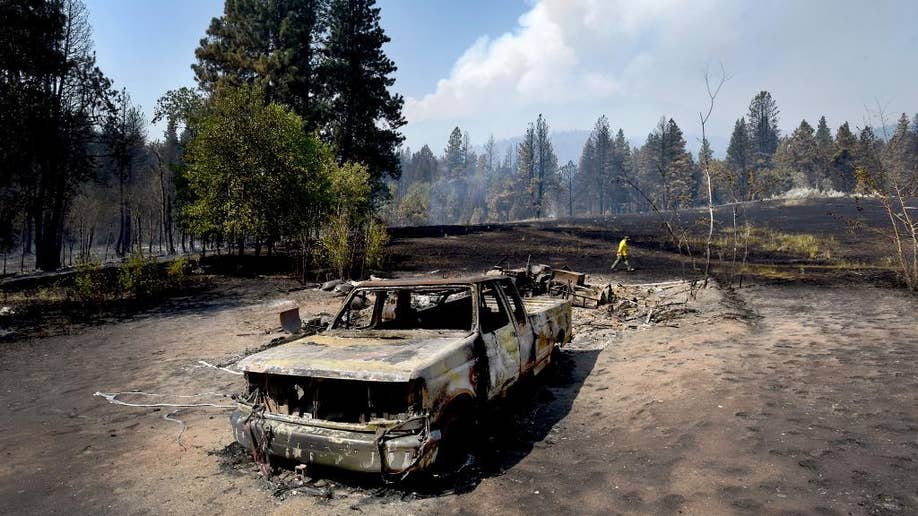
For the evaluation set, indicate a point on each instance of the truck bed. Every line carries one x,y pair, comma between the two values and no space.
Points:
551,318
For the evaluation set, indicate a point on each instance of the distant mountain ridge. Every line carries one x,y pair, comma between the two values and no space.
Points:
569,144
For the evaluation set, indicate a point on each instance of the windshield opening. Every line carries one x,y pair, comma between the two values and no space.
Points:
410,308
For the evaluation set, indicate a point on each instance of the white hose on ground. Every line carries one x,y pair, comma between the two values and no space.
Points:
168,417
212,366
112,397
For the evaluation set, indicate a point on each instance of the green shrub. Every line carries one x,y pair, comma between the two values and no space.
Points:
89,282
177,272
138,276
377,239
335,243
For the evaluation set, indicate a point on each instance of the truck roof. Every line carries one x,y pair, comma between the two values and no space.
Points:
424,282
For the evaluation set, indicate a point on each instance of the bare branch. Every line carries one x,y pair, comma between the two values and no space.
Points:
712,96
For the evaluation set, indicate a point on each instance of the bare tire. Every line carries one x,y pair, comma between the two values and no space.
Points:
458,431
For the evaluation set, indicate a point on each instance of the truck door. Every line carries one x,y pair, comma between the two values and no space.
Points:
524,333
500,340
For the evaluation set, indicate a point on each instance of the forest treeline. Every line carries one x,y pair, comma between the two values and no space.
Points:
290,142
286,142
462,186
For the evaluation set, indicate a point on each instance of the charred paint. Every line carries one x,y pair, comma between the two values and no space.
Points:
444,365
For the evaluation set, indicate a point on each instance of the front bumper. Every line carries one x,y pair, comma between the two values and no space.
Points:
371,451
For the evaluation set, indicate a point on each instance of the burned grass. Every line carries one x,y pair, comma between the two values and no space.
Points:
823,241
53,310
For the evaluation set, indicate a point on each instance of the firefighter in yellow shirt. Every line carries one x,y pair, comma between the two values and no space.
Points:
622,255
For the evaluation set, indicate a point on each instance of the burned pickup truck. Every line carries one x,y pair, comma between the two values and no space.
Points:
398,376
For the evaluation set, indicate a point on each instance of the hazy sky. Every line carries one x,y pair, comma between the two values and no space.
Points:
490,67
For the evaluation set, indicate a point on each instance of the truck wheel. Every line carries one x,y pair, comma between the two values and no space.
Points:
556,348
458,431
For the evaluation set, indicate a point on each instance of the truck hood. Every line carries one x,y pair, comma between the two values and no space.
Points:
391,356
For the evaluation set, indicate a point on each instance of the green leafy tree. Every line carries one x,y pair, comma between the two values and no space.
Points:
414,207
364,117
254,171
181,109
345,229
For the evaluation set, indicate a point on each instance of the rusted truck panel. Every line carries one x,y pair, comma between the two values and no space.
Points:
402,362
553,326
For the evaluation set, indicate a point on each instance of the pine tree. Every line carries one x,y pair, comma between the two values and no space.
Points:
468,156
546,166
798,158
843,160
763,128
739,160
621,168
868,164
423,166
602,162
587,169
568,173
272,45
670,165
901,157
526,170
681,167
454,154
490,153
363,115
825,149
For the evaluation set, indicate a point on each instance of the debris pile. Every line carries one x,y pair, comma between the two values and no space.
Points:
339,287
631,307
538,279
651,303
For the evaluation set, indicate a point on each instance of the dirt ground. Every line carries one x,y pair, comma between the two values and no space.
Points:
776,398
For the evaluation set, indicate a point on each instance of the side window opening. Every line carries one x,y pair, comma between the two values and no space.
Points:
491,312
519,310
359,313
